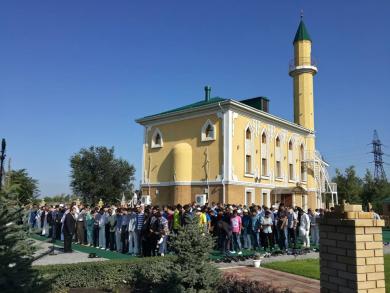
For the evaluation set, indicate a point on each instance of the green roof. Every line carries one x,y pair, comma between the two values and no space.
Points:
302,33
191,106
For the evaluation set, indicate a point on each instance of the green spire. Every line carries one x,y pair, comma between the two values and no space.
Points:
302,33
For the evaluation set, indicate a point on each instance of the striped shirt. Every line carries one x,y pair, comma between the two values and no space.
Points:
140,221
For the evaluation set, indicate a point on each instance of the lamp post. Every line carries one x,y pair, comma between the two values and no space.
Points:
2,158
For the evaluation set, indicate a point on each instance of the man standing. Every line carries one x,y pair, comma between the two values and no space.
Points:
69,229
292,219
314,231
80,225
304,228
282,227
133,235
125,231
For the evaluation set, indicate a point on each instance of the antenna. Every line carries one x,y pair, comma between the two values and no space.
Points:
379,171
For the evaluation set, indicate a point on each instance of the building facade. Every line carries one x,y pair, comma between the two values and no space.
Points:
224,150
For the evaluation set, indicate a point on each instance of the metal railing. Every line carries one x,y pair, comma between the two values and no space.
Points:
301,61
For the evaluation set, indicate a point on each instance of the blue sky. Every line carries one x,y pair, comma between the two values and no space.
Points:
77,73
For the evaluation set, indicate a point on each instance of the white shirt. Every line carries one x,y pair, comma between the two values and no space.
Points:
266,221
305,222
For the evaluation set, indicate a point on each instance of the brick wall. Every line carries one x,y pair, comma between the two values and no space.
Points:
351,251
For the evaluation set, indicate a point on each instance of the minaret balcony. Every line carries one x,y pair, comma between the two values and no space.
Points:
302,65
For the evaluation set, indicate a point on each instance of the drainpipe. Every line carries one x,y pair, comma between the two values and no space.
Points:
223,171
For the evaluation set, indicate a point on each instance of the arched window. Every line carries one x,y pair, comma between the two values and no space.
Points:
248,134
157,139
248,152
277,142
208,131
264,138
290,145
301,153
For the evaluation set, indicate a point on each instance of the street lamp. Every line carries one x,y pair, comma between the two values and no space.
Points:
2,158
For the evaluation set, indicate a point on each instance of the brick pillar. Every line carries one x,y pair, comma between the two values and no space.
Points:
351,251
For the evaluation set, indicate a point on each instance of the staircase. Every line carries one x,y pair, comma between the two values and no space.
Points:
323,184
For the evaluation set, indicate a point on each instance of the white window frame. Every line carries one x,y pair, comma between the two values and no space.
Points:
279,158
265,156
302,161
290,160
248,150
204,137
267,202
153,142
253,196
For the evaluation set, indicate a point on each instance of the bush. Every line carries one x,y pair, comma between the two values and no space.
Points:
108,275
16,273
192,270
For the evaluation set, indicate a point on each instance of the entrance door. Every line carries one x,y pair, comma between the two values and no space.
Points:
287,199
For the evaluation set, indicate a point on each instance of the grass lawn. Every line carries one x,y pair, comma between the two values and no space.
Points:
386,235
311,268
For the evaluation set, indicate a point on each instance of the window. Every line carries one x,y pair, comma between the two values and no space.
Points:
249,196
278,170
302,162
248,164
291,171
263,138
208,131
264,200
264,155
290,145
157,140
277,142
264,171
249,148
248,134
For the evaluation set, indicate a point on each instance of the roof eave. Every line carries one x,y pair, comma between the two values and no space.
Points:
228,102
151,118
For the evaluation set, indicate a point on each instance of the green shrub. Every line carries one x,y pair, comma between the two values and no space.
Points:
192,270
107,275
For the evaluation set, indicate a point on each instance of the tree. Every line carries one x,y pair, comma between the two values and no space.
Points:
374,192
96,173
22,185
16,273
191,270
349,186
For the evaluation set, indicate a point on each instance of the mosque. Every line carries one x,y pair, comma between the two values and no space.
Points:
229,151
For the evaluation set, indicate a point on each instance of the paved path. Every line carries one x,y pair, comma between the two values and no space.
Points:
249,262
277,279
44,258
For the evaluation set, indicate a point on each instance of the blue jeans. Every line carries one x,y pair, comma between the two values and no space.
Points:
236,241
247,239
256,239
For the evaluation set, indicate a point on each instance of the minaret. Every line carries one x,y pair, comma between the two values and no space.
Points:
302,70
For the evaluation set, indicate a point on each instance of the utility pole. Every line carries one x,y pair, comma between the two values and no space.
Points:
2,158
379,171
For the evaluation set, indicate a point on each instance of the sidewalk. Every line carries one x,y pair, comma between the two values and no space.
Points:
277,279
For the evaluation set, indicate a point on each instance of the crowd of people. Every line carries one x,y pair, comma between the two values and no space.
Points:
144,230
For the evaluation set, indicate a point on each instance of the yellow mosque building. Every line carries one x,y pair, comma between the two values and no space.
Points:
229,151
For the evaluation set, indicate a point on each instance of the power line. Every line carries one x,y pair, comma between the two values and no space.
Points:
379,171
